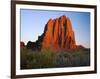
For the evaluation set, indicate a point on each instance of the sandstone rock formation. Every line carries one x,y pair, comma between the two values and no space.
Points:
22,44
58,34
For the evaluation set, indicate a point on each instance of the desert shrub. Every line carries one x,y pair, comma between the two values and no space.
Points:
81,58
63,59
49,59
23,57
36,59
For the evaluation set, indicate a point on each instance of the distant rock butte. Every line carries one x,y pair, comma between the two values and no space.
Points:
58,34
22,44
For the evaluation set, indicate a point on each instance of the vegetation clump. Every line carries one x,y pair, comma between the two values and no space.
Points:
49,59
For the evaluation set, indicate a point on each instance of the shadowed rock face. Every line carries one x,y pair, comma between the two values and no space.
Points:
58,34
33,45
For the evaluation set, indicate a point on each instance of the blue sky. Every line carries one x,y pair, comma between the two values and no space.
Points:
33,23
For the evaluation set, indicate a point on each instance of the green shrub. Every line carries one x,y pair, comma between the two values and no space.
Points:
49,59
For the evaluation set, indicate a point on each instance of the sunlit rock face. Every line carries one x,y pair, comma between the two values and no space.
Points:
58,34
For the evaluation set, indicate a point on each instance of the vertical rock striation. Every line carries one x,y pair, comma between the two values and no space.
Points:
58,34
